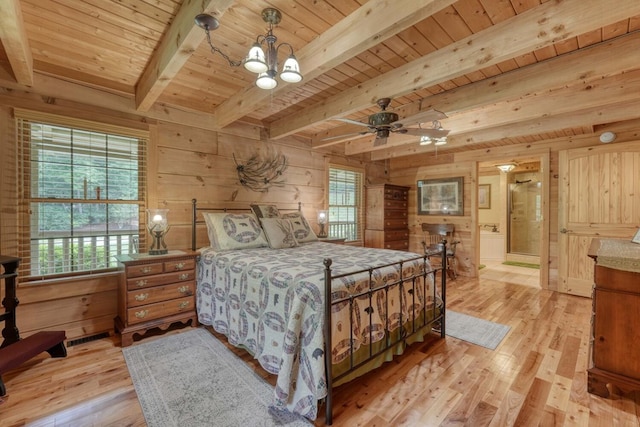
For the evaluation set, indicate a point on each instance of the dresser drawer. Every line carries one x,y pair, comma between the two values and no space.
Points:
401,245
160,279
159,310
160,293
396,223
396,193
144,269
396,204
396,235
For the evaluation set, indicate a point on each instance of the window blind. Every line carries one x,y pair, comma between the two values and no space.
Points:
346,203
82,193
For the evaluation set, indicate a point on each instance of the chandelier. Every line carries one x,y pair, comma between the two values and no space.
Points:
263,62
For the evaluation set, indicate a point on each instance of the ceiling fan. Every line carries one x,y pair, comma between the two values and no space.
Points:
384,123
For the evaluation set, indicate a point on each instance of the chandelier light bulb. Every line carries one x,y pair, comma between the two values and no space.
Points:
255,60
291,70
425,140
265,81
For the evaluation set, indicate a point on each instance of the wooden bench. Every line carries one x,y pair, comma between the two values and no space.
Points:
14,355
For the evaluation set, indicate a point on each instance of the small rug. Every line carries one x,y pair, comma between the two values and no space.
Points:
191,379
522,264
474,330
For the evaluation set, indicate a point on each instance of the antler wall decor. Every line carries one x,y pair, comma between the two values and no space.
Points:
260,173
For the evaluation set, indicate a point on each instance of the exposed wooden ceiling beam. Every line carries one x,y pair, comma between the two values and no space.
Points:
587,65
614,89
375,22
534,29
584,117
179,42
14,39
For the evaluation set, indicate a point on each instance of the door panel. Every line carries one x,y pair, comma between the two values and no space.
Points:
598,197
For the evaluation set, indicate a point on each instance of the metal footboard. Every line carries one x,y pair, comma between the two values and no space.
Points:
436,321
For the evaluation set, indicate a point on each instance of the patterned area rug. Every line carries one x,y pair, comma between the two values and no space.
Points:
474,330
191,379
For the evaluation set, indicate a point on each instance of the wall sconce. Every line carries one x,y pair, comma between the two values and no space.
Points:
323,219
158,228
506,168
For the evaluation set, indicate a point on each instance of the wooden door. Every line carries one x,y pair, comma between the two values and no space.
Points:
599,196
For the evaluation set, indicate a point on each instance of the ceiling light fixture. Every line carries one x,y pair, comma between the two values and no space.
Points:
263,62
436,140
506,168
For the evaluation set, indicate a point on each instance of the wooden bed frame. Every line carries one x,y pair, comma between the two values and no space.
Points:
436,324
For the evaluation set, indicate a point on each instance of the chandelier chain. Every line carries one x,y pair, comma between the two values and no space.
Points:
214,49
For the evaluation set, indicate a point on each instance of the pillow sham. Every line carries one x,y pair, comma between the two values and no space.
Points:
279,232
301,228
234,231
265,211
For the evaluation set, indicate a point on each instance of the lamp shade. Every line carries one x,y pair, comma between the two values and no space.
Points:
255,61
265,81
291,70
158,219
425,140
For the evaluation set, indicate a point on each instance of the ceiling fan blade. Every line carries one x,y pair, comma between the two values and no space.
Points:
347,135
426,116
353,122
432,133
379,141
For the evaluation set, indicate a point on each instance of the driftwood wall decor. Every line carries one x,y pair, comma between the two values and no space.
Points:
260,173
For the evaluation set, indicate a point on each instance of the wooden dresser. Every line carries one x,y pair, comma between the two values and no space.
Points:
616,323
155,291
387,224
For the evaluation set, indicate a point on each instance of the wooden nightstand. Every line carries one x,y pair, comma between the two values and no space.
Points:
155,291
338,240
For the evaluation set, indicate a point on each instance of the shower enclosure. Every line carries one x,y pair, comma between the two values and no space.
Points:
524,210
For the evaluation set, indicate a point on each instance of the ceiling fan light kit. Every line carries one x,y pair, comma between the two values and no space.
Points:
263,62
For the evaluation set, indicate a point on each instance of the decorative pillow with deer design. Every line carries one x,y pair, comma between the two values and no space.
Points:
301,228
229,231
279,233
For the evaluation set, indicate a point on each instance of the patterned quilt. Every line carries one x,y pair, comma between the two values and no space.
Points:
271,302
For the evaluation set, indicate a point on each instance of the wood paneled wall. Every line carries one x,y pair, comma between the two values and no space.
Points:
408,170
183,163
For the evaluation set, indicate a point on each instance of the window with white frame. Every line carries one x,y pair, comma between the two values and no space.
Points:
82,198
345,203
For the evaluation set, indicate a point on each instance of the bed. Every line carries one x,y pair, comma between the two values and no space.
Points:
270,299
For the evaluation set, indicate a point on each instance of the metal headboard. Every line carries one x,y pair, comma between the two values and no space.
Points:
194,216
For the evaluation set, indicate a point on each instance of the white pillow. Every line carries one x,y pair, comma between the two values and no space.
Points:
234,231
301,228
279,232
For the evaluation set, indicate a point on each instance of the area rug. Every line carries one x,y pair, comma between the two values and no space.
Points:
191,379
474,330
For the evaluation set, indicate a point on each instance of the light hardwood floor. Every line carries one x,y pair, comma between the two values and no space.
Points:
537,376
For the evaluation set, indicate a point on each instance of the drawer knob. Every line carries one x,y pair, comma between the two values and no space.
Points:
141,297
142,314
146,270
180,265
185,290
141,283
183,304
184,276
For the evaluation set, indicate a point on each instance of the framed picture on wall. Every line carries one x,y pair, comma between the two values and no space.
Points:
440,196
484,196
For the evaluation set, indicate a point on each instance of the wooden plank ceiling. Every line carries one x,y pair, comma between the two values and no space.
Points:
504,71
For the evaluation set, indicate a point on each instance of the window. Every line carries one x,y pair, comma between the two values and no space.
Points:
345,203
82,194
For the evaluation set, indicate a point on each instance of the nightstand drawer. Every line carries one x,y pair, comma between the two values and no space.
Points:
161,279
161,309
160,293
179,265
144,269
